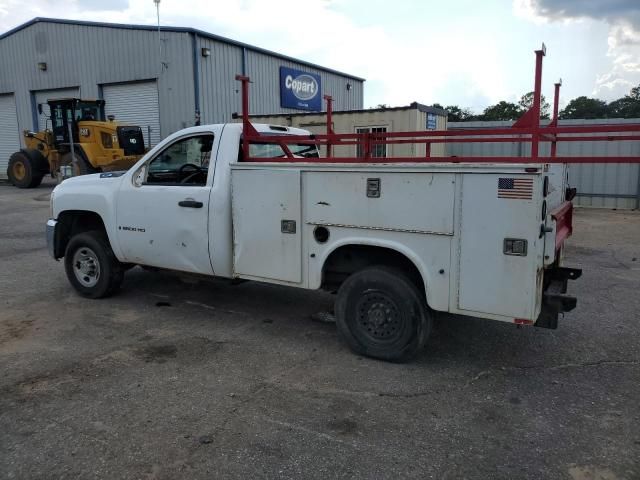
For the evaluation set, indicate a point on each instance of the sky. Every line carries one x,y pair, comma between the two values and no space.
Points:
471,53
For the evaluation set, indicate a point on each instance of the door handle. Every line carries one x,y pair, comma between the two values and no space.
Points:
190,204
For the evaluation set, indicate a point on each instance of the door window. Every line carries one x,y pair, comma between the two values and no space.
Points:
184,162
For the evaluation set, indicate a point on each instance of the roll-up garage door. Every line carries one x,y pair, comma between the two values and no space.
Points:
43,95
137,104
9,136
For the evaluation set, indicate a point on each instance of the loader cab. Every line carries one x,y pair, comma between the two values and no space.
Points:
70,111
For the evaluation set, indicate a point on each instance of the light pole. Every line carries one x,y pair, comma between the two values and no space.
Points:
157,2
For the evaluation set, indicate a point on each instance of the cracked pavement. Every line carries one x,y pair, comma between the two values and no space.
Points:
178,378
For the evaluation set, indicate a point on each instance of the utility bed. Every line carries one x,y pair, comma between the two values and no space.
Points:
449,218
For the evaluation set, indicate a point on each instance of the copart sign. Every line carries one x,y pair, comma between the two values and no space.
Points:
300,90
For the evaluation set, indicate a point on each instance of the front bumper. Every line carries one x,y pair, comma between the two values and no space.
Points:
51,237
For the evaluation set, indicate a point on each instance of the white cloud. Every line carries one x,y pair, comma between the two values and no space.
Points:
400,65
623,18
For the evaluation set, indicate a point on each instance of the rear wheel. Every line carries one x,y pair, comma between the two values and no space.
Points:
381,313
22,172
91,266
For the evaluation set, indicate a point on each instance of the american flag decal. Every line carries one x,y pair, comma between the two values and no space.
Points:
515,188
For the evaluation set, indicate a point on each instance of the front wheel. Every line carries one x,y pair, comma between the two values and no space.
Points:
22,172
380,313
91,266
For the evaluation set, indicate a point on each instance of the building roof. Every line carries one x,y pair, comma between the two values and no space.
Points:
195,31
412,106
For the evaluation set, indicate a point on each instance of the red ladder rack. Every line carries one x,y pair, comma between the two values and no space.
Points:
526,129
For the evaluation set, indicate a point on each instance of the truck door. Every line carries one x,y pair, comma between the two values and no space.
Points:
162,211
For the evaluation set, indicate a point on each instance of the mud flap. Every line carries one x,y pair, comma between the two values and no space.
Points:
554,298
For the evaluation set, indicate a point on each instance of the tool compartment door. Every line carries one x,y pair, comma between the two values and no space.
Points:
413,202
266,224
491,281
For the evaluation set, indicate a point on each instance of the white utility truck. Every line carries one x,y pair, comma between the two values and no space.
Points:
396,241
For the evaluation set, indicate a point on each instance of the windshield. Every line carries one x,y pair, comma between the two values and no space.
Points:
87,111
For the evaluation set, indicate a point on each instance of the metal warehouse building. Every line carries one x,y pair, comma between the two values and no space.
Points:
161,82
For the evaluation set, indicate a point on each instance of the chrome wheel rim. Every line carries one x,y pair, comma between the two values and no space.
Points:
86,267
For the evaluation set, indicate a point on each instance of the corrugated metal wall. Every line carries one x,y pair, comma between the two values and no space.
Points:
219,90
599,185
89,56
265,93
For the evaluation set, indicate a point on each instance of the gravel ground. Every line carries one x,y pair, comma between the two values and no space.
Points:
180,378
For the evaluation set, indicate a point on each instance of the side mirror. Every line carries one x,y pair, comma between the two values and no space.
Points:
40,108
139,176
111,118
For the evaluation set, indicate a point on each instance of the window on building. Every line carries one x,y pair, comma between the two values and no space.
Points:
377,151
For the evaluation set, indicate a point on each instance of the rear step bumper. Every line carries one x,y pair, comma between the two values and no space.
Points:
554,298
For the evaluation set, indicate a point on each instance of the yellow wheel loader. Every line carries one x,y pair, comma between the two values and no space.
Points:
81,137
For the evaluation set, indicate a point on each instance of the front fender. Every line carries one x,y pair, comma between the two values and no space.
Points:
93,193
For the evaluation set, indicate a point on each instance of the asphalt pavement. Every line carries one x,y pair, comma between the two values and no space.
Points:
180,378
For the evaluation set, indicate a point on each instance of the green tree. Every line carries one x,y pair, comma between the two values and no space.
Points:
457,114
526,101
624,107
627,106
585,107
501,111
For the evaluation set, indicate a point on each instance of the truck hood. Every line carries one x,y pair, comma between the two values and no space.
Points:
93,177
84,183
95,193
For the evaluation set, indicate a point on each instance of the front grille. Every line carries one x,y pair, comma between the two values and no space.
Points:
131,140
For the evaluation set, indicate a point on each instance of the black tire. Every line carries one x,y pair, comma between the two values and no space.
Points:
27,168
380,313
36,181
22,172
86,253
82,165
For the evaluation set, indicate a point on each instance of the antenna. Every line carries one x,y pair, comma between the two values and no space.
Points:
157,2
